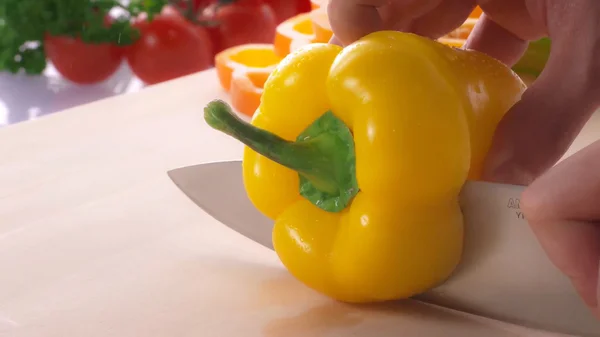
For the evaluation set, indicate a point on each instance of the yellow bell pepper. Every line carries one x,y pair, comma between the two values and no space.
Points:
359,154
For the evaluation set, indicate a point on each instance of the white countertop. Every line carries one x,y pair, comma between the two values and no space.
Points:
99,242
28,97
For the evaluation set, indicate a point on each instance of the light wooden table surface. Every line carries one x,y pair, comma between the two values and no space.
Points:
95,240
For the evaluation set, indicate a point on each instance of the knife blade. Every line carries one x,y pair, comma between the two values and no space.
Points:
504,273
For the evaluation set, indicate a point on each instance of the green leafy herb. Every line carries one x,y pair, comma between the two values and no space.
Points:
24,23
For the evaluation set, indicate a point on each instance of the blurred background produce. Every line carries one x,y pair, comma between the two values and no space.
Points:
242,70
88,41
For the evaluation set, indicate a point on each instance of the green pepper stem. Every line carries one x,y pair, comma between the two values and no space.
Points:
310,158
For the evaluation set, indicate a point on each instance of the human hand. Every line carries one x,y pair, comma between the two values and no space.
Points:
562,205
563,209
538,130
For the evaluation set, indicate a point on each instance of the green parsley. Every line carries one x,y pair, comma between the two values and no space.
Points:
24,23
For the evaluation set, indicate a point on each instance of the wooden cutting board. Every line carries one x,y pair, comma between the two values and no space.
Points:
96,241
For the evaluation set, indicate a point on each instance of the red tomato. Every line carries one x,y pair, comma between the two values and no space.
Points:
196,4
285,9
244,21
169,48
80,62
168,10
303,6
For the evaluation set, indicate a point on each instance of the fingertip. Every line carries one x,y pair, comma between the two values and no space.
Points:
492,39
564,223
350,20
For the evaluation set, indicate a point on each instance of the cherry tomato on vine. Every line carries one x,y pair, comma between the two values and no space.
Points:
169,47
241,22
80,62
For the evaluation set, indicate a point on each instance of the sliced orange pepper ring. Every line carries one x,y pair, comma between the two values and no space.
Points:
246,91
314,4
293,33
452,42
476,13
249,58
464,30
321,27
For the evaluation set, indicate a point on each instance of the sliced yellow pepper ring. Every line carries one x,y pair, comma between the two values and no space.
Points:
248,58
293,33
246,90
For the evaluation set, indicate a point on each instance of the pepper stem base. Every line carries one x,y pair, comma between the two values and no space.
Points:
323,154
337,155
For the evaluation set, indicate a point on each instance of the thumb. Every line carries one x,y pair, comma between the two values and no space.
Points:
561,207
540,128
